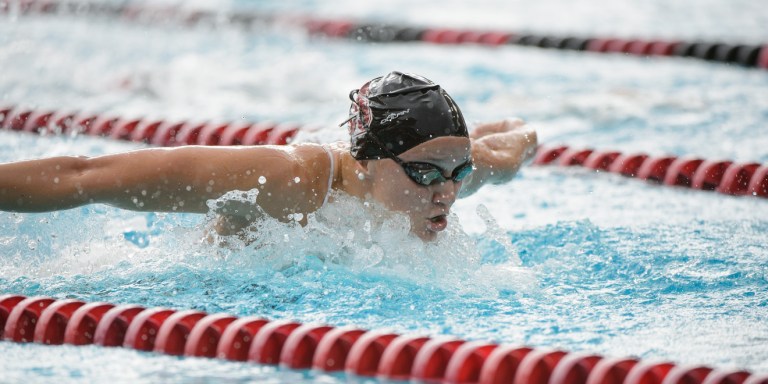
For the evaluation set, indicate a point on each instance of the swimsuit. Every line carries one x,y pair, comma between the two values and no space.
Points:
330,174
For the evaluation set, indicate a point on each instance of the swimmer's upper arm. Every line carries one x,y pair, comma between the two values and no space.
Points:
179,179
184,179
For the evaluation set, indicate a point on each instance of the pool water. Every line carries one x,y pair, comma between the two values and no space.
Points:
561,257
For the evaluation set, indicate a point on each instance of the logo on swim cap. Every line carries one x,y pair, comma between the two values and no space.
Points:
400,111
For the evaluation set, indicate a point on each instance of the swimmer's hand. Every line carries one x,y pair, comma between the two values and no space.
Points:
499,149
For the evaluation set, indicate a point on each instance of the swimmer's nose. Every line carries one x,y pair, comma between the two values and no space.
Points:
445,193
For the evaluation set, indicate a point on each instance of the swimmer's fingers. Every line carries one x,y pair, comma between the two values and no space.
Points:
501,126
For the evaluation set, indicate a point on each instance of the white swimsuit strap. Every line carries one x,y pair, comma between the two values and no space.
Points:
330,174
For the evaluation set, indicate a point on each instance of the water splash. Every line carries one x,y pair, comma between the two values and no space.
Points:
363,237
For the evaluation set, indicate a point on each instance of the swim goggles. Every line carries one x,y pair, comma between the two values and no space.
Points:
427,173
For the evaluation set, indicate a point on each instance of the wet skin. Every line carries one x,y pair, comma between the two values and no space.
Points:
426,206
291,179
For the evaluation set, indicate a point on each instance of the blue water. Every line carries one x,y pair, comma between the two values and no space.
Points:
610,265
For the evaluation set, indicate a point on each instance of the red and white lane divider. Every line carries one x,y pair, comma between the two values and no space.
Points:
723,176
747,55
332,349
155,132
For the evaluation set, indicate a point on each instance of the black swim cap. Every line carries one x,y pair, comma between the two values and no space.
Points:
400,111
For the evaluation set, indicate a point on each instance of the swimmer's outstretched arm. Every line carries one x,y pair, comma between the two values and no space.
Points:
499,149
169,180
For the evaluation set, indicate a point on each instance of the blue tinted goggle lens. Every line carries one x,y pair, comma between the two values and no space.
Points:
428,174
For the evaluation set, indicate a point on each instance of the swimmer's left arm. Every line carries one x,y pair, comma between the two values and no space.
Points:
499,149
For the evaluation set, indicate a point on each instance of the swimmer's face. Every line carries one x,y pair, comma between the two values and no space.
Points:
426,206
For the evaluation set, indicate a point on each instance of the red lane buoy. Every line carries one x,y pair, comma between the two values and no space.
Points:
646,372
537,366
333,350
757,379
16,119
618,46
173,334
762,59
53,321
572,156
639,47
467,361
726,377
126,129
81,123
186,135
495,38
101,125
687,375
681,172
62,122
601,160
82,325
5,112
21,322
282,134
397,360
662,48
598,45
432,359
628,165
142,332
165,133
258,133
502,364
365,355
736,178
7,303
38,122
709,175
237,338
758,186
655,168
234,133
546,155
301,345
269,341
112,327
206,334
210,134
721,376
611,370
574,368
441,36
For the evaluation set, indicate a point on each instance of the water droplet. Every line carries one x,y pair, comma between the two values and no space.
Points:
262,179
296,179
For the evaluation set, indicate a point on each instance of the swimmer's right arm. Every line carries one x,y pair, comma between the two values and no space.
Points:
160,179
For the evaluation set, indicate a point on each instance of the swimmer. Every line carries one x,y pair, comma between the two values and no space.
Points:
410,150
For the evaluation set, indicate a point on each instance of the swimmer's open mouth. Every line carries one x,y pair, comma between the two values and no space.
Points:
437,218
437,223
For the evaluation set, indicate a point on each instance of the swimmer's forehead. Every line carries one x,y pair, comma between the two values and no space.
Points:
441,149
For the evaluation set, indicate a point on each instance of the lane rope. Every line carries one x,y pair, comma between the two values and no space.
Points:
723,176
150,131
746,55
355,351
